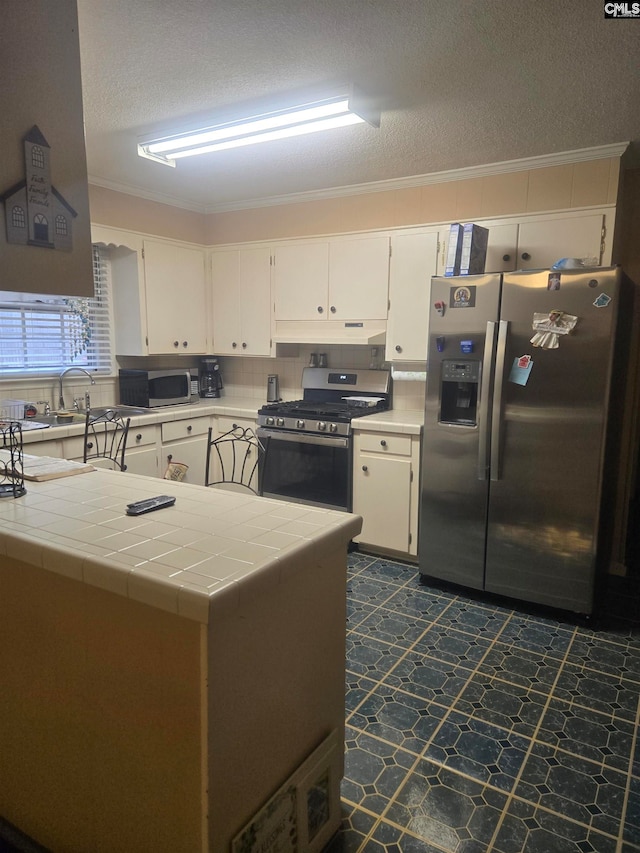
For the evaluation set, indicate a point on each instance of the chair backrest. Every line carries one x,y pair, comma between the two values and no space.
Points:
105,437
234,460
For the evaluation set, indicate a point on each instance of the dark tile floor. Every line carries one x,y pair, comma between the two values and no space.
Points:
474,726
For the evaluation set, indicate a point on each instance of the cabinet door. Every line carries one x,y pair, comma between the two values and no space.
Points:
176,298
143,461
43,448
301,276
255,301
191,452
226,302
502,248
414,258
186,441
382,496
541,244
141,456
359,279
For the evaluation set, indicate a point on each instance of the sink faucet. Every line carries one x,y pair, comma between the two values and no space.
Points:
63,374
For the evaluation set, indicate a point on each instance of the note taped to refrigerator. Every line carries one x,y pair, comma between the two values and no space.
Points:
521,370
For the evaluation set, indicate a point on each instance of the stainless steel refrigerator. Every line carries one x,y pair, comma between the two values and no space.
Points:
523,407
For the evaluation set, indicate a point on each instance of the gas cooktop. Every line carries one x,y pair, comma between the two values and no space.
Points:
335,410
332,398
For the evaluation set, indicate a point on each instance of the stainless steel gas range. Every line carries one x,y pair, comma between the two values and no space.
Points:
309,455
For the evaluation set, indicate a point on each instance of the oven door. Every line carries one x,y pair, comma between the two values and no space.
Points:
307,468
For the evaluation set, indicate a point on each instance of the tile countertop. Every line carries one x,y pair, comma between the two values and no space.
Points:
199,559
409,422
235,407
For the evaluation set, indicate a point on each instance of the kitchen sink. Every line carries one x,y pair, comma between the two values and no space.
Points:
80,417
126,411
52,420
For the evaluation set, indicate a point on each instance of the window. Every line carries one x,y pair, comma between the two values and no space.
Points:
37,157
17,217
61,225
44,334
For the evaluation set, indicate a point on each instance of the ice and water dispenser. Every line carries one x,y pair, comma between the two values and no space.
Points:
459,392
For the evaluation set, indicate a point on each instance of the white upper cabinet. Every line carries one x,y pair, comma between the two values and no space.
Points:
241,301
176,298
301,276
541,244
340,279
414,259
159,294
538,243
502,248
358,279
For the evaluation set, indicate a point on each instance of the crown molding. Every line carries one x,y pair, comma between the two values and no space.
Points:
562,158
148,195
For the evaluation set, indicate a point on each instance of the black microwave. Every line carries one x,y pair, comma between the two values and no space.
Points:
150,388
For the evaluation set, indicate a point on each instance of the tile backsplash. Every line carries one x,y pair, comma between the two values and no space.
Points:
39,391
243,377
247,377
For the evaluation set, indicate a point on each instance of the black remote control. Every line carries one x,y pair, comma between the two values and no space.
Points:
150,504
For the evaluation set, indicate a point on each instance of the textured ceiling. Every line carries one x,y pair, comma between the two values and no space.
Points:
460,83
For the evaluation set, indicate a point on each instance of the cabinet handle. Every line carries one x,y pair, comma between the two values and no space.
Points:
364,468
526,256
176,343
244,346
234,344
506,257
89,445
189,428
383,442
333,309
139,437
185,343
398,348
320,309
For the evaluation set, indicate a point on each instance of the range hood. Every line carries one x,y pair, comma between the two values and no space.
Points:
365,332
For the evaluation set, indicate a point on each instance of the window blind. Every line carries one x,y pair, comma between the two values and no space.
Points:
44,334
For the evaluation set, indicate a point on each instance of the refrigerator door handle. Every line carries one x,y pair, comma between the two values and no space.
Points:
484,393
496,414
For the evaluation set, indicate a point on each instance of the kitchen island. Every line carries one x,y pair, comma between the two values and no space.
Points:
163,675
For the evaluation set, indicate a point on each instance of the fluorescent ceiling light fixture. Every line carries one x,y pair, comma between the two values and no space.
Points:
296,121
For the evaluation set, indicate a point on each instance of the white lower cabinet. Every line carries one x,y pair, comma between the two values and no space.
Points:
73,448
186,442
141,456
43,448
386,489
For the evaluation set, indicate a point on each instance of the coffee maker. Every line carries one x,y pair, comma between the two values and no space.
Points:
210,377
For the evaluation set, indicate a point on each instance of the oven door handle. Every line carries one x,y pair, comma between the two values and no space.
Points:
302,437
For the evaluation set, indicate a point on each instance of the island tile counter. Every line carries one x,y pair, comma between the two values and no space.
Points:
162,674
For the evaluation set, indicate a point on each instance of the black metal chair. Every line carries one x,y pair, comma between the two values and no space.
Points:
234,460
105,437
